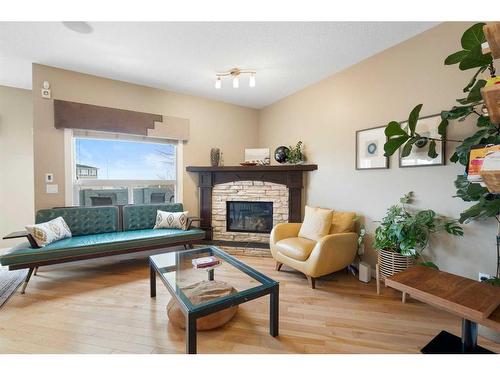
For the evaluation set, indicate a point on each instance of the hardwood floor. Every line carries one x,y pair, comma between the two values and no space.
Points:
103,306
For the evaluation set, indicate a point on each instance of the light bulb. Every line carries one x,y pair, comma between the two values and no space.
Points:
236,82
218,83
252,80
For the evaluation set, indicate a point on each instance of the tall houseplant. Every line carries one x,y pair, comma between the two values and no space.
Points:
485,205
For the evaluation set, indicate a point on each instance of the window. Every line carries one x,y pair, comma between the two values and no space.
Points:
118,169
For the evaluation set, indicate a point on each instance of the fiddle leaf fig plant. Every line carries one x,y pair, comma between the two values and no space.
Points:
486,204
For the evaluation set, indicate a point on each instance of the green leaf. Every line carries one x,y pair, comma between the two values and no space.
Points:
408,146
484,209
473,36
429,264
393,144
462,150
456,57
457,112
475,59
475,92
432,149
442,127
453,228
473,79
483,121
413,118
394,129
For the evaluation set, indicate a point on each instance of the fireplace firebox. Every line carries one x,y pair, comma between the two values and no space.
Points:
249,217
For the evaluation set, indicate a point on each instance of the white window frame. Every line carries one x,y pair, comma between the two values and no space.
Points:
72,183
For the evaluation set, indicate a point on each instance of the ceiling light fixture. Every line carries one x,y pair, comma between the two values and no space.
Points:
235,74
251,82
236,82
218,83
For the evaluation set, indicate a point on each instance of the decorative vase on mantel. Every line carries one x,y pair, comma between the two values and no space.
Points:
215,157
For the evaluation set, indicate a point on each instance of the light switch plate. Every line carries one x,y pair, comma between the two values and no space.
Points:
49,177
52,188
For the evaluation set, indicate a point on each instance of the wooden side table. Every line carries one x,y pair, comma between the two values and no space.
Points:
471,300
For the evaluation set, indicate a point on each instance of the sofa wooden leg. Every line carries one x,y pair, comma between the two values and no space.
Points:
278,266
25,284
312,282
35,271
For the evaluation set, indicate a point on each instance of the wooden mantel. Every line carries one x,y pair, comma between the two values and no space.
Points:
292,176
256,168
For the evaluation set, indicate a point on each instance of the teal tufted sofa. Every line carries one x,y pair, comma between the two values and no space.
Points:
99,232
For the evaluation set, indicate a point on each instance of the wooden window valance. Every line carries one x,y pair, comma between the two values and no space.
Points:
92,117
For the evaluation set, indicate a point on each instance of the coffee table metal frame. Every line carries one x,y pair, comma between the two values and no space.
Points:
193,312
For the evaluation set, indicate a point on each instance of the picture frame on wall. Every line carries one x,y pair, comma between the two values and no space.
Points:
427,126
370,149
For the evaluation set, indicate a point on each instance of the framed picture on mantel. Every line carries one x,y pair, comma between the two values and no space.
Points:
370,149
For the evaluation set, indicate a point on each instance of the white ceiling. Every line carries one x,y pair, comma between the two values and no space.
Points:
184,56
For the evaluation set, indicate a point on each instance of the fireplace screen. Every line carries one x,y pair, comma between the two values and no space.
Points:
253,217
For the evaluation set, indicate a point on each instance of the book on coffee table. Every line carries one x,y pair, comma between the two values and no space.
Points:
205,262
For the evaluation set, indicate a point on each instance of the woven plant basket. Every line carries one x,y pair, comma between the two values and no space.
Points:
391,263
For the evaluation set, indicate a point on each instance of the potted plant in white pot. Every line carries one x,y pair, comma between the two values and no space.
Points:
403,235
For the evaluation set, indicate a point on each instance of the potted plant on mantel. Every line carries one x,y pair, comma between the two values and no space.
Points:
403,235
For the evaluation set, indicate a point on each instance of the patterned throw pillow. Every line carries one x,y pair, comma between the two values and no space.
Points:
51,231
171,220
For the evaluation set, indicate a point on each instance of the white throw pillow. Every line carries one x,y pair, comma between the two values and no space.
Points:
317,223
50,231
171,220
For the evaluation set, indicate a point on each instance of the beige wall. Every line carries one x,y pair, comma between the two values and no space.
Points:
16,161
382,88
212,124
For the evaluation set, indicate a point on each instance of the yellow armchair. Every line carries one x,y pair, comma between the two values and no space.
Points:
330,253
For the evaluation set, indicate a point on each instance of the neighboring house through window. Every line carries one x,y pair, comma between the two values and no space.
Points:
118,169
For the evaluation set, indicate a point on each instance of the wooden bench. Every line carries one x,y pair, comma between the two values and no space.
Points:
473,301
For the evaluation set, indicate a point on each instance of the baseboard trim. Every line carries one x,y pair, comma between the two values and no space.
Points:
254,245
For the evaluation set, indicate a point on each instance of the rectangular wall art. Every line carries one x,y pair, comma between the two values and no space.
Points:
370,149
427,127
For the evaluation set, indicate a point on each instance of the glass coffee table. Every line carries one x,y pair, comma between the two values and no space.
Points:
177,272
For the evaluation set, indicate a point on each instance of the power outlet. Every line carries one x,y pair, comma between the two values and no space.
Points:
483,276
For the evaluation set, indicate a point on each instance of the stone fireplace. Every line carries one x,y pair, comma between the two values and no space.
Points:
240,205
249,217
258,207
